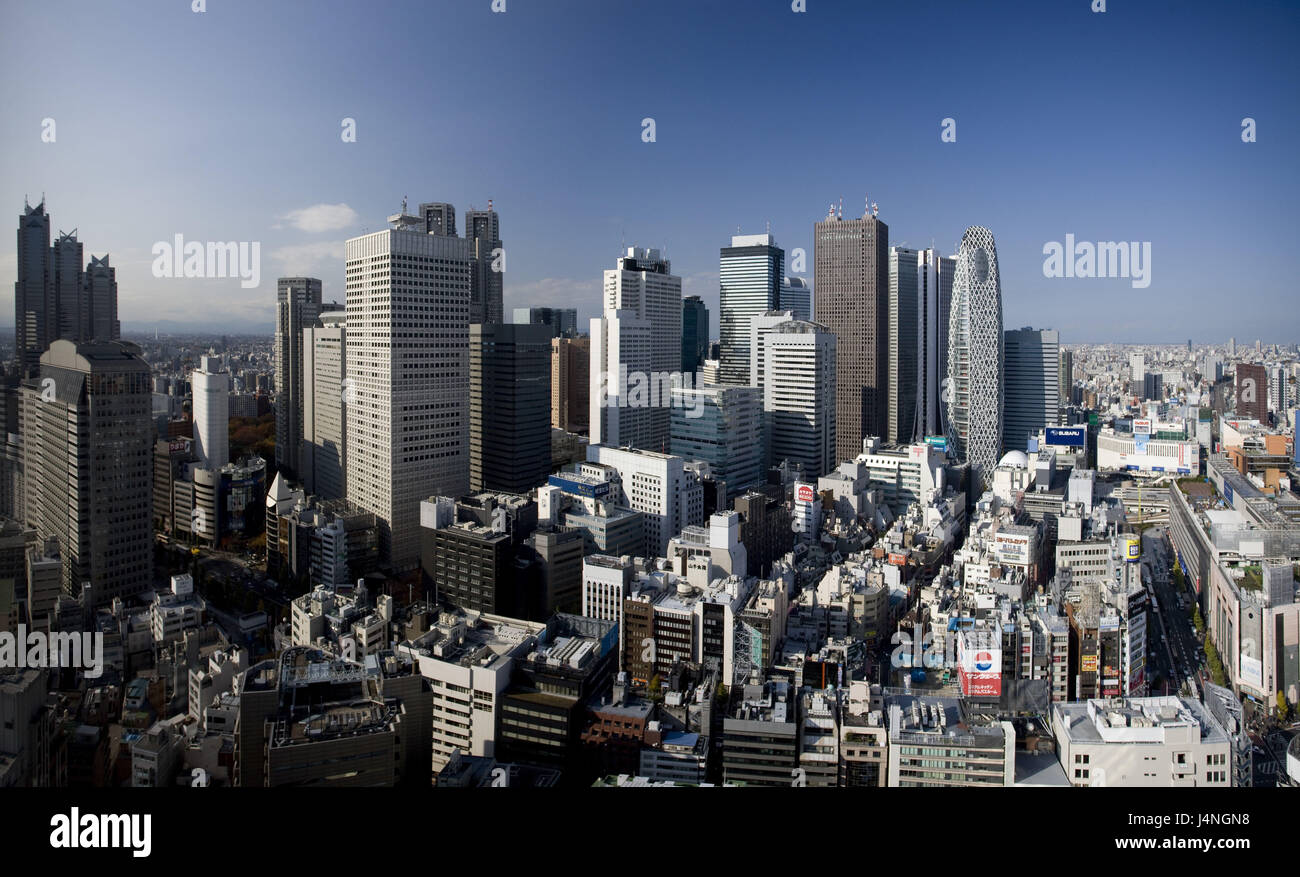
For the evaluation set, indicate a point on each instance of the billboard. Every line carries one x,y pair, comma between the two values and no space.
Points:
580,487
898,559
979,670
1252,672
1011,548
1140,444
1066,436
805,493
937,441
1088,664
1142,427
1132,548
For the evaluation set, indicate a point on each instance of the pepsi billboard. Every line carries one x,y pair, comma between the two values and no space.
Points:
1066,436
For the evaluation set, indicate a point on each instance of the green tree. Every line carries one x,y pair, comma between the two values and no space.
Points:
1215,664
1282,706
1197,619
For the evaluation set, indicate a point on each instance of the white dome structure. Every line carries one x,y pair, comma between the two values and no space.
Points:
1014,459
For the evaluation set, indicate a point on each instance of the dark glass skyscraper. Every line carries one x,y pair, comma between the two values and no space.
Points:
298,301
695,333
487,271
509,406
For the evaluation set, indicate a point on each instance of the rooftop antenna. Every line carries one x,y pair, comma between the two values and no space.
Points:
769,226
403,204
840,212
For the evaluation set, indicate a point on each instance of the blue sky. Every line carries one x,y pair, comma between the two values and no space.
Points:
225,126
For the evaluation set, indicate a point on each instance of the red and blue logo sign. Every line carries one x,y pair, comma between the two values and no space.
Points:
983,661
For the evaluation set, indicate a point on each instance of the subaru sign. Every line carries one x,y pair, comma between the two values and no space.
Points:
1066,436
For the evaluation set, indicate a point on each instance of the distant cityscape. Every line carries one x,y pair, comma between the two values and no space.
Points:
848,531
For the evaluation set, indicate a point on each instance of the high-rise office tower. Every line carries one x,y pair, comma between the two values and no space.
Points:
975,355
934,302
798,387
101,294
796,297
570,383
325,404
723,426
509,406
750,274
1137,366
1232,347
1252,391
563,322
903,379
1031,385
760,326
210,385
408,377
297,307
88,438
70,288
1066,382
34,288
851,290
438,218
486,287
635,352
695,333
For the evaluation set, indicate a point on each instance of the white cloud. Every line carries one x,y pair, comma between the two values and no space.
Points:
322,217
307,258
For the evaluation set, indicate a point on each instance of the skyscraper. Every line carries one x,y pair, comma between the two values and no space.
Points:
1032,385
562,321
750,275
798,390
570,383
325,404
636,352
796,297
1067,381
211,388
851,290
297,307
88,438
101,294
975,396
695,333
723,426
438,218
509,406
408,377
1252,391
73,310
934,303
904,344
487,273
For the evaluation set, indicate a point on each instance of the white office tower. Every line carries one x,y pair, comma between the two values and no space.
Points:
408,377
325,401
750,277
796,297
1031,385
795,370
660,486
975,355
934,302
211,388
636,353
1137,366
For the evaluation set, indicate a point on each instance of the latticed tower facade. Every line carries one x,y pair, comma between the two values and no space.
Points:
974,393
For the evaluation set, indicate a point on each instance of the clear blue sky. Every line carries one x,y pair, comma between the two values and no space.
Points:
225,125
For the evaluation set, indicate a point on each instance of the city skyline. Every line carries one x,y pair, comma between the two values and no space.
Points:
1034,175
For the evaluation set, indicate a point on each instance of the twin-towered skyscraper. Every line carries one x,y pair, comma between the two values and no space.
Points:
57,294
